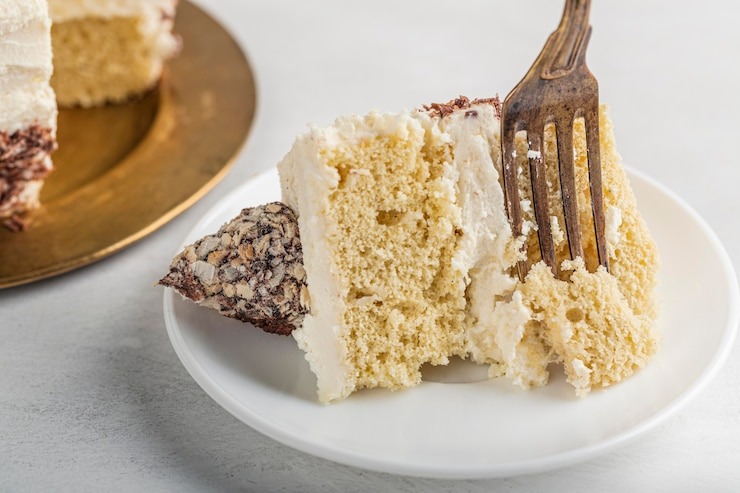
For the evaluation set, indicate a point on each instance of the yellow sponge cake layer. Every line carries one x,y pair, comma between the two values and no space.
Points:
109,51
395,215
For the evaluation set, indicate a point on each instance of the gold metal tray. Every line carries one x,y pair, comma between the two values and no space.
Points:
123,171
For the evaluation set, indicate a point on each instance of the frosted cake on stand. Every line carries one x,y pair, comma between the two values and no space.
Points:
28,110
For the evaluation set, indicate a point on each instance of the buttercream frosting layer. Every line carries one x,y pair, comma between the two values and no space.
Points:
25,66
64,10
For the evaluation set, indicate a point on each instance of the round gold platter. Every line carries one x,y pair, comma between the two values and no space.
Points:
122,171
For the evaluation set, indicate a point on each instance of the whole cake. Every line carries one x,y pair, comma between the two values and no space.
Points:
109,50
409,257
27,108
104,51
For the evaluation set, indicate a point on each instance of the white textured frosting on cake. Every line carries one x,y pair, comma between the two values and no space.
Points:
27,106
25,65
409,256
64,10
109,51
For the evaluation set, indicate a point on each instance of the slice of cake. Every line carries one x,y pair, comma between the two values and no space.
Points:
409,257
399,214
27,107
109,51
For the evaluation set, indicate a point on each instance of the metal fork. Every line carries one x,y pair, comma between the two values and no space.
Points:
558,89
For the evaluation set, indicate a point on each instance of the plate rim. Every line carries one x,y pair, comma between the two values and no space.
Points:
487,471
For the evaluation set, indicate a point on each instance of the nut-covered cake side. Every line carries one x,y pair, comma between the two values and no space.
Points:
250,270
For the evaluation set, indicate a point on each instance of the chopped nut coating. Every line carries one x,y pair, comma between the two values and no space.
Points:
251,269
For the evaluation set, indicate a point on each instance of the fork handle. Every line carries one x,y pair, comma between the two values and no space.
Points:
572,39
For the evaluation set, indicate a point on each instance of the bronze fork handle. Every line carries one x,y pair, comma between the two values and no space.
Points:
569,40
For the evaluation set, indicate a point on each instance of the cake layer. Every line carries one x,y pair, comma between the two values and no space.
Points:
131,40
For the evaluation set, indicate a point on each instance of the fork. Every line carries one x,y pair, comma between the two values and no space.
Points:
557,89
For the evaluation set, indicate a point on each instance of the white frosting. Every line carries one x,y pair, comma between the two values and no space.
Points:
486,249
25,65
581,378
497,335
14,13
64,10
613,220
319,335
558,235
31,190
20,108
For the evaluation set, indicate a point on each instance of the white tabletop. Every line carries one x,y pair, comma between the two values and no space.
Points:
92,395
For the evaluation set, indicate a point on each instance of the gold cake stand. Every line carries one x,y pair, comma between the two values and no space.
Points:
122,171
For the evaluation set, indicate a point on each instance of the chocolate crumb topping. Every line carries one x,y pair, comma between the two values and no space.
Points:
461,103
250,270
24,158
20,150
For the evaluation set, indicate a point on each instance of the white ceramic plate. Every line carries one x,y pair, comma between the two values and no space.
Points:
476,429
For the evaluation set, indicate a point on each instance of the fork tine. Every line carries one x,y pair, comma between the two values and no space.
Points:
591,119
557,88
539,196
564,129
511,187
